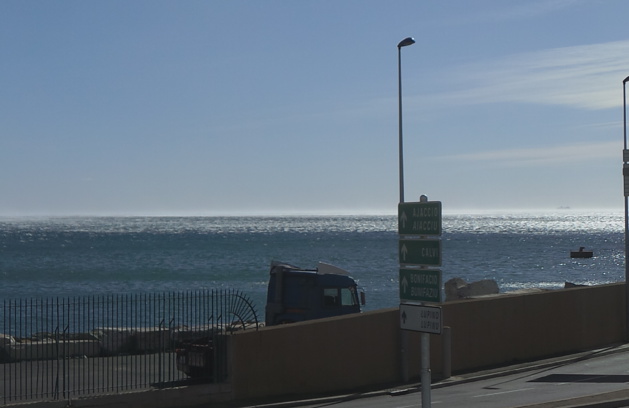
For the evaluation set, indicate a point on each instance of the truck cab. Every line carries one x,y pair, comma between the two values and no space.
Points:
296,294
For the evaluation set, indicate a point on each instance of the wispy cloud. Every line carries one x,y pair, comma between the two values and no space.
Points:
527,9
584,77
544,156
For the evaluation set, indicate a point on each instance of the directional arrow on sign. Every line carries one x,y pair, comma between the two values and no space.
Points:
404,252
404,284
420,252
403,219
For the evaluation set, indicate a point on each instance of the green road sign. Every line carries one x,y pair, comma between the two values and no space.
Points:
420,252
420,285
419,218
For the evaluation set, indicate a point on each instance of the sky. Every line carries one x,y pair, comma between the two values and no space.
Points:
280,107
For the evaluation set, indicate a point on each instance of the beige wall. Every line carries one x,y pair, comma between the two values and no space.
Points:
353,351
511,328
310,357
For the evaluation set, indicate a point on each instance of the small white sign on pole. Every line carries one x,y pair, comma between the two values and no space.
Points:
421,318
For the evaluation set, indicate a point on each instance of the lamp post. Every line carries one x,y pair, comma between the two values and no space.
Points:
625,172
425,352
405,42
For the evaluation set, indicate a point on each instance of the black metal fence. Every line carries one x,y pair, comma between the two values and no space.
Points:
63,348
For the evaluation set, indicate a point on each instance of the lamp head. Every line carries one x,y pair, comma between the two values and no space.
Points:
406,41
625,80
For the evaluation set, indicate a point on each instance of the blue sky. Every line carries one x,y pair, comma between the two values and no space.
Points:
275,107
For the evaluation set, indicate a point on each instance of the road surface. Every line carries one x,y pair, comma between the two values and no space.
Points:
605,371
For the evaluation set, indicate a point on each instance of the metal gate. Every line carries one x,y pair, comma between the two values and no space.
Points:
61,348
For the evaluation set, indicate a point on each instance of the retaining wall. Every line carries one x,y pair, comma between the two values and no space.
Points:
346,352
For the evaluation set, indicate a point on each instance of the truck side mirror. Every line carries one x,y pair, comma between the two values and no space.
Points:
362,298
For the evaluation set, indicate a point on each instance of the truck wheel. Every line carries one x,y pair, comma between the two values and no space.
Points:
197,372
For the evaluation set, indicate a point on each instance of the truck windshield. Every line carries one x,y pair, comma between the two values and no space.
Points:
346,297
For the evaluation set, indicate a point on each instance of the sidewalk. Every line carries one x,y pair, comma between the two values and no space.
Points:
616,399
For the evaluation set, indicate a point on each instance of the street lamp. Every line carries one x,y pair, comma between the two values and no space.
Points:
404,335
625,172
405,42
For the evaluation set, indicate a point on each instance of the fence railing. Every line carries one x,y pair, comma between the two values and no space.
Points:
62,348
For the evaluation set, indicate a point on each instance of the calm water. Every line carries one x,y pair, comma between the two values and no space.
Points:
47,257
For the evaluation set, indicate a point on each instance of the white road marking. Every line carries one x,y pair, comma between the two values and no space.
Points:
501,393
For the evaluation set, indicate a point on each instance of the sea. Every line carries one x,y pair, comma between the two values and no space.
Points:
52,257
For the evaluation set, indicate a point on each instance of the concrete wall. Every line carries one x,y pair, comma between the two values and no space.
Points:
49,349
101,341
512,328
329,354
352,351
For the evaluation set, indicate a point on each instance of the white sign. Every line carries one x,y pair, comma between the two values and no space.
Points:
425,319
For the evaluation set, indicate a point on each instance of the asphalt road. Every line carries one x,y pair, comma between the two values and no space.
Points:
579,380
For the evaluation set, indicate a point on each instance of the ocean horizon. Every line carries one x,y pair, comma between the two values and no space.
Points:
43,256
311,213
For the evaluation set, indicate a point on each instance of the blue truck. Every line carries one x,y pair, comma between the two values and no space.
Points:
296,294
293,295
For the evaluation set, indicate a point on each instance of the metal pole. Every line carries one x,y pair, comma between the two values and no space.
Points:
425,374
400,139
425,370
404,335
425,337
404,43
624,111
624,115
